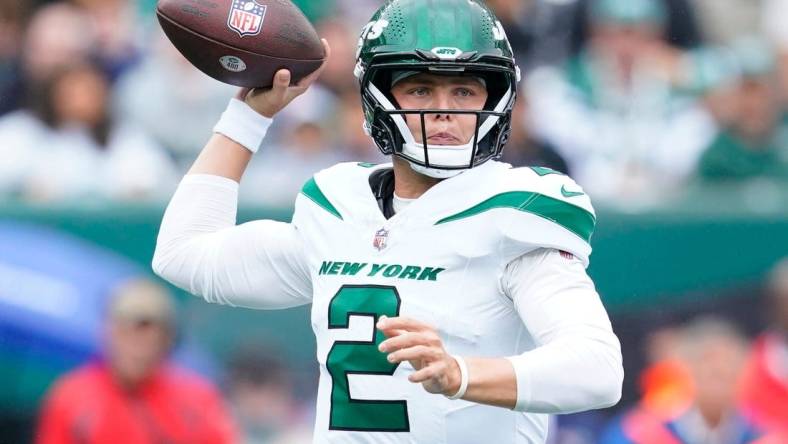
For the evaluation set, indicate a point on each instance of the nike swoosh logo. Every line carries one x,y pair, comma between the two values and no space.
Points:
566,193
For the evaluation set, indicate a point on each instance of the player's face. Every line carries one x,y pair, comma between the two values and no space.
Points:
430,91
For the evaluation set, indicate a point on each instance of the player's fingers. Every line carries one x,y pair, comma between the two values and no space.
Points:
308,80
402,323
312,77
419,352
407,339
281,83
391,329
425,374
327,48
391,333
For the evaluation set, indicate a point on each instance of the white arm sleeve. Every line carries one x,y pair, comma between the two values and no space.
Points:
577,363
259,264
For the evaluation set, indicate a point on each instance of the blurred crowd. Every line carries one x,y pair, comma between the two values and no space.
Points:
636,99
704,381
133,392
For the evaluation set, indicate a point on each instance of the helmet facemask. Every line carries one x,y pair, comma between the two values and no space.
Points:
393,136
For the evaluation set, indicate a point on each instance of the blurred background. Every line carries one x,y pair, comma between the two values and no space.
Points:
670,113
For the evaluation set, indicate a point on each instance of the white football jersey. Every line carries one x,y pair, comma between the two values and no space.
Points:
440,261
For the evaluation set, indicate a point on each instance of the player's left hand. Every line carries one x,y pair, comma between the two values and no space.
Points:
419,343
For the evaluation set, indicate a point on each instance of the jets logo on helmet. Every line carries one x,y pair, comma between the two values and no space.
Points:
447,53
473,43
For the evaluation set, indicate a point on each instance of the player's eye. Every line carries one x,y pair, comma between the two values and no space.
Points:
419,92
465,92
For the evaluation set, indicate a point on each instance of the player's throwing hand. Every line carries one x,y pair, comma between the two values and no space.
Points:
419,343
269,101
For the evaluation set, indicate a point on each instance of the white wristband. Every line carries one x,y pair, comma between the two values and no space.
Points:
243,125
463,377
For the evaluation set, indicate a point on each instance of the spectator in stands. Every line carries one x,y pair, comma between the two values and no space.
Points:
68,145
723,21
12,14
169,99
773,17
713,351
614,113
57,35
261,394
132,396
664,384
765,391
352,140
321,104
524,148
355,12
337,74
753,142
772,22
276,176
114,27
681,28
537,29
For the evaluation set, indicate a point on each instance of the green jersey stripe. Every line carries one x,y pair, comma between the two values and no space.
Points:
573,218
313,192
542,171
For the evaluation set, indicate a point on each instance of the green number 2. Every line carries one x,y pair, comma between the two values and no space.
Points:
362,358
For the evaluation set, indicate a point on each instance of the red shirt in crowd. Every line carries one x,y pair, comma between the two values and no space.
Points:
765,386
87,406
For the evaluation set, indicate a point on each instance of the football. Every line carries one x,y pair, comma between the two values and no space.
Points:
242,42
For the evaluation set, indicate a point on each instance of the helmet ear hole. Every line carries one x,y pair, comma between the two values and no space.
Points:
385,134
497,86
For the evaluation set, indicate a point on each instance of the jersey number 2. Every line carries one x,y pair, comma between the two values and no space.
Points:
362,358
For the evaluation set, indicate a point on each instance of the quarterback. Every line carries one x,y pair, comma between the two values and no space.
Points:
449,294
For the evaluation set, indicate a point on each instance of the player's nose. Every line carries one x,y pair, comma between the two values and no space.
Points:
442,101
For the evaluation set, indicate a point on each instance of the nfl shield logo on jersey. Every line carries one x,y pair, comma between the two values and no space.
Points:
246,17
381,236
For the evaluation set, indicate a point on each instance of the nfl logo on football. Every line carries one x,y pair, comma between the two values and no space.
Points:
381,237
246,17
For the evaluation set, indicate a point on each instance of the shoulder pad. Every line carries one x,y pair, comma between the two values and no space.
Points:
337,190
560,201
565,217
549,185
522,209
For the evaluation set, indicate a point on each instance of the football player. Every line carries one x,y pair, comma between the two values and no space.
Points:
450,300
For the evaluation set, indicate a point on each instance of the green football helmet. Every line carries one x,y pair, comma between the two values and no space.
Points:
444,37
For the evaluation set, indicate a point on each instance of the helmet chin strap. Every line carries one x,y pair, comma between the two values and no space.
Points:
434,172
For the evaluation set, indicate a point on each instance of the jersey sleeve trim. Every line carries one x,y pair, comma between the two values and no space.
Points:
313,192
573,218
542,171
